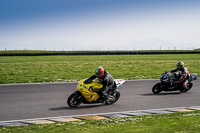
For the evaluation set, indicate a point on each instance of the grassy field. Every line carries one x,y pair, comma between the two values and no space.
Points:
32,69
83,51
165,123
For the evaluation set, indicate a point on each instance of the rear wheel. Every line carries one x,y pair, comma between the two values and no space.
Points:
113,97
190,84
156,88
75,99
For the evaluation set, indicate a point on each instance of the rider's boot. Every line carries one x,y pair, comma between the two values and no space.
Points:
105,99
184,87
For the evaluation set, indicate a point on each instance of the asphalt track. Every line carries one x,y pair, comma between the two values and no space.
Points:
29,101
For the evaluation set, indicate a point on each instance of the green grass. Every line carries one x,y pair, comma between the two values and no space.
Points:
32,69
83,51
160,123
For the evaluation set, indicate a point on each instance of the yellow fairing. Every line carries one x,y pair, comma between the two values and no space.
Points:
97,85
86,90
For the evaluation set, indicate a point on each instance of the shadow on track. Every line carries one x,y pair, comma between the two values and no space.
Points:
75,108
162,94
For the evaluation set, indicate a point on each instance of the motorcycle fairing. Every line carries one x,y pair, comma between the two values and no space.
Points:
86,89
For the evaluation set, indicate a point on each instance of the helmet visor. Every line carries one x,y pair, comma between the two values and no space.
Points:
97,75
179,67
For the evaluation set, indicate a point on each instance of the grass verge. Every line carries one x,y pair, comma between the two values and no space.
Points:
176,122
32,69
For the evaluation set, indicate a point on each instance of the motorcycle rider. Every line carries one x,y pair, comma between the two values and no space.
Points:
106,79
184,75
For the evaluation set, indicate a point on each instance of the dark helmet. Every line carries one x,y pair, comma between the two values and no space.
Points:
99,72
180,65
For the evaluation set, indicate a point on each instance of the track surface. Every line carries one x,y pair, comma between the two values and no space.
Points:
27,101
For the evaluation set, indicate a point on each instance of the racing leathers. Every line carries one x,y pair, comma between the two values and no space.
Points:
184,77
108,83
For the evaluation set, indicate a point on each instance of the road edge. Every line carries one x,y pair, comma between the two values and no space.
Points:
97,116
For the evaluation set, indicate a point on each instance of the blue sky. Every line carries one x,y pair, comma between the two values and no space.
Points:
99,24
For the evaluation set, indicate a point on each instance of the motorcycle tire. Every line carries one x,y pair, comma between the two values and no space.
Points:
156,88
75,99
116,96
189,86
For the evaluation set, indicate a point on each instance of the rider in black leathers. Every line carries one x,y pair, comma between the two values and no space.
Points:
106,79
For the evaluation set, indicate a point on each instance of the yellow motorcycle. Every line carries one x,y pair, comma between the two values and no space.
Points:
87,93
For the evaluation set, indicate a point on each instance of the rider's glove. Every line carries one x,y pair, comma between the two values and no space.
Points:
176,82
95,90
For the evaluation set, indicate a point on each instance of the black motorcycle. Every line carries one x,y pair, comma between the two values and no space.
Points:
168,82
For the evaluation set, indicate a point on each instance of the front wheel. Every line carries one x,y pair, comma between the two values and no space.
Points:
75,99
156,88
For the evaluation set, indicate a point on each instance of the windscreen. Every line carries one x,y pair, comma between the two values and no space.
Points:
88,81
